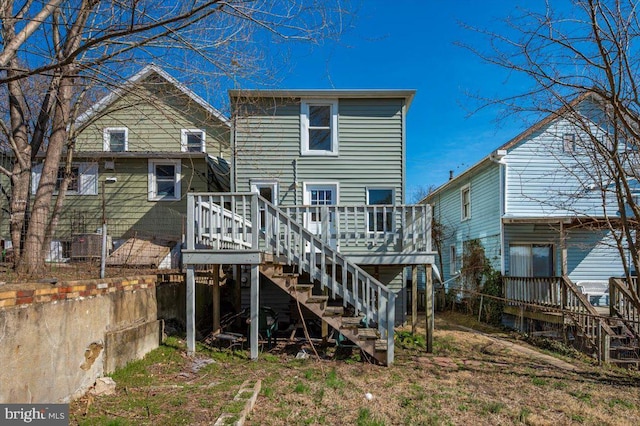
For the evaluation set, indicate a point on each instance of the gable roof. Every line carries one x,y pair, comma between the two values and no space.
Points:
406,94
496,154
138,78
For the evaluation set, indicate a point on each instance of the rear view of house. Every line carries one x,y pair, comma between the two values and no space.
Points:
321,175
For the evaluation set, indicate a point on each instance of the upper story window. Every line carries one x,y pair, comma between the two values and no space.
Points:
116,139
380,219
465,202
319,127
192,140
569,143
164,180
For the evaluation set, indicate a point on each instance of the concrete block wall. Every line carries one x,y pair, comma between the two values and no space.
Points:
56,340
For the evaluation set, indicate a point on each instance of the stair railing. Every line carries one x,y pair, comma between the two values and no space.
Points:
623,305
585,317
230,221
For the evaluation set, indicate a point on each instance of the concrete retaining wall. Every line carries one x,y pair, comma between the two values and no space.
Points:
55,340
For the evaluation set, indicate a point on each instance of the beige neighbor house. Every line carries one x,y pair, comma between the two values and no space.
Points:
138,152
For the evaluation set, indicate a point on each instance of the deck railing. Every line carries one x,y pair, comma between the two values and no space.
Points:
544,291
623,304
246,221
395,228
562,294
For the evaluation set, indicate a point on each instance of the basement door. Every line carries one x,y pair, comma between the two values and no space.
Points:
318,195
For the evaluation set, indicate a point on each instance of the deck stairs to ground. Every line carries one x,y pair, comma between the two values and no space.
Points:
351,327
612,338
289,251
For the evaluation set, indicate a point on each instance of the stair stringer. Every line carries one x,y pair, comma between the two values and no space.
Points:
374,347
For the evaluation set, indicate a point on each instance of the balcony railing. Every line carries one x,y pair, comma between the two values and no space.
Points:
544,291
386,228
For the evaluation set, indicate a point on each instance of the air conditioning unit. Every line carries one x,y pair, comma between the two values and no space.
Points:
86,246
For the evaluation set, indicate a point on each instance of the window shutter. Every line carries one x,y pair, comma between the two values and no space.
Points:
88,184
36,172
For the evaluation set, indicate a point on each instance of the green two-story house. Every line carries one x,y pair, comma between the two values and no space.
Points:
138,151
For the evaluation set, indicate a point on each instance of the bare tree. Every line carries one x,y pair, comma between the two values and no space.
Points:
68,48
581,64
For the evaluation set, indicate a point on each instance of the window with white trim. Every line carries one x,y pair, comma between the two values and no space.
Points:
380,219
569,143
164,180
465,202
116,139
319,127
192,140
531,260
453,265
84,178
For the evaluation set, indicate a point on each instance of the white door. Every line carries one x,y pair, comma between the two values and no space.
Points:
325,194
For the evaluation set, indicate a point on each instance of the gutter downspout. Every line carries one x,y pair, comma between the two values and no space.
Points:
498,158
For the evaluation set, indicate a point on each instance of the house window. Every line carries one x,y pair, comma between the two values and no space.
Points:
192,140
73,183
453,266
465,202
531,260
319,128
116,139
380,219
84,179
569,143
164,180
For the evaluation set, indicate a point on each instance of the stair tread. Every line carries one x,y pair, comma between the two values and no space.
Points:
624,360
316,298
302,287
367,333
381,345
333,311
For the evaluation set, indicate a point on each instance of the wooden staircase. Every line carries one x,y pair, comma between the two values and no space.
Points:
367,339
236,228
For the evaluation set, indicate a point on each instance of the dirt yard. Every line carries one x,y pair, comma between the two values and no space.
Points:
471,378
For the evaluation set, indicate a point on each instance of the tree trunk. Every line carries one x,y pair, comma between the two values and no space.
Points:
33,260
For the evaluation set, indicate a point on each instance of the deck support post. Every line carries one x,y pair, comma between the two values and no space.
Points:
563,249
255,309
237,289
414,298
191,309
216,297
429,307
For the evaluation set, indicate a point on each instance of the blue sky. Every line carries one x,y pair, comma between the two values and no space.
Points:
410,44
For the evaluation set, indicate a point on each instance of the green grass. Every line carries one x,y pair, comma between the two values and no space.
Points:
333,381
301,388
365,418
539,381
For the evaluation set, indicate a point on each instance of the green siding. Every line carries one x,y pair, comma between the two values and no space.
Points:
127,208
155,113
370,138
